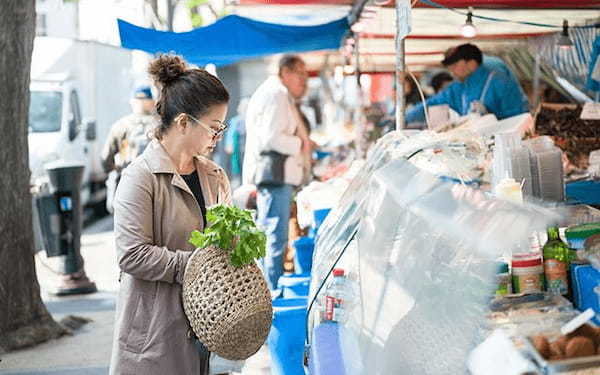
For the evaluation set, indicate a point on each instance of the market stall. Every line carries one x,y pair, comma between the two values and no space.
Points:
429,255
421,257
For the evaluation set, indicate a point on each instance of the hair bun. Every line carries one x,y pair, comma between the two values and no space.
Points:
167,68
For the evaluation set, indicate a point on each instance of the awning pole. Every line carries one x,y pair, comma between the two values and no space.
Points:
359,119
401,16
536,79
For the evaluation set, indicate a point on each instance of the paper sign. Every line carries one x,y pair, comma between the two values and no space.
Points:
591,111
577,322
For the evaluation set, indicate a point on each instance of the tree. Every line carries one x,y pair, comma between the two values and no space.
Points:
194,6
24,320
158,22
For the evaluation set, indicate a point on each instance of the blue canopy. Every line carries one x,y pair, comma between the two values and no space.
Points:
234,38
593,84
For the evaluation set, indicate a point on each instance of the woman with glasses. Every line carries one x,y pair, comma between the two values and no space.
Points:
161,199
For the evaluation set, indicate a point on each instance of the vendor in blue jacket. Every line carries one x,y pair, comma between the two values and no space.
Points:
481,86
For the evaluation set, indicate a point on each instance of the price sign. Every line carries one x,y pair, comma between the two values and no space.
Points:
591,111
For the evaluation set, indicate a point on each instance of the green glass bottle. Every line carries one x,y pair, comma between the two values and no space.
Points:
557,257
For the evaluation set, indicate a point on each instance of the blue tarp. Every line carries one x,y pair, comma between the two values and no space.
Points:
234,38
592,84
584,192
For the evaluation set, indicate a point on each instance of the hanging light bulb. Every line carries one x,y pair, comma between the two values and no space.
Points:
358,27
564,42
468,30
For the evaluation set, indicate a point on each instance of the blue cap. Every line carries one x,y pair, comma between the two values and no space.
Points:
142,92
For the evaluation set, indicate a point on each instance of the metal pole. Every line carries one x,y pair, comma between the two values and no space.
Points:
361,141
536,79
402,18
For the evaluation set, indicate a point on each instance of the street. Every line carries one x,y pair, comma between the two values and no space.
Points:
87,351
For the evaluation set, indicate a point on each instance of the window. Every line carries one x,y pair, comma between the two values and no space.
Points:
45,111
75,107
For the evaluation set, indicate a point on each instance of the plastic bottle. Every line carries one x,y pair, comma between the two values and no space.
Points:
510,190
334,297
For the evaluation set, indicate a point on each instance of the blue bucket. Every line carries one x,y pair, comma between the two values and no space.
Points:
304,252
295,285
286,339
319,216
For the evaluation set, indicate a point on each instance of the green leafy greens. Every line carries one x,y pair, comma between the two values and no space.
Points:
232,229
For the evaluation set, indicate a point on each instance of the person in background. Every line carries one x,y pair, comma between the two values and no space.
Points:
440,81
128,139
235,142
161,199
411,93
305,131
274,124
479,87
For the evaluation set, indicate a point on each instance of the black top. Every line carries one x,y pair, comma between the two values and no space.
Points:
193,182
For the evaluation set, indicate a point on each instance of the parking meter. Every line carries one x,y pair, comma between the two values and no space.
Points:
62,225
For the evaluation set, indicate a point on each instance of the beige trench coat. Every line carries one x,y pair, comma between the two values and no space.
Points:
155,212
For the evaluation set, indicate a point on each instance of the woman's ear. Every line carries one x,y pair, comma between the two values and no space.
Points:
181,123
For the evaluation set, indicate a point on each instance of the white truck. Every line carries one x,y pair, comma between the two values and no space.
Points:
78,90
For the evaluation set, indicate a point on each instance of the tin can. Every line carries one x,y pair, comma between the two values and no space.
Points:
527,273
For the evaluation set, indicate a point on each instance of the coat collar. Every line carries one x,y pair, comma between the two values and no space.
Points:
159,161
479,75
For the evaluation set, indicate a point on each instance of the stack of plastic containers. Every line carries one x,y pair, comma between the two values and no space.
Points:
537,163
287,336
304,252
286,339
546,169
511,160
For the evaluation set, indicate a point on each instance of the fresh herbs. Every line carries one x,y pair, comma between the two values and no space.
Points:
232,229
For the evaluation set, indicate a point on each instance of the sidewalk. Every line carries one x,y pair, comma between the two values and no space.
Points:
88,351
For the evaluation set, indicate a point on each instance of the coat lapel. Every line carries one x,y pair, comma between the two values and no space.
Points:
208,179
160,162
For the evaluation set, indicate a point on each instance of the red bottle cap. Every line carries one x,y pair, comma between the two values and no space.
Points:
338,272
527,263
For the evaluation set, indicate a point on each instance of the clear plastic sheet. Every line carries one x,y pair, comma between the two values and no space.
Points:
422,259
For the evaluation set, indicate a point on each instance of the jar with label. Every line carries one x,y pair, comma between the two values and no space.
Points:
557,257
527,273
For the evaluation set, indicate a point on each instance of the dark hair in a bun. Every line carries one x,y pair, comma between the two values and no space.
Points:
183,90
166,69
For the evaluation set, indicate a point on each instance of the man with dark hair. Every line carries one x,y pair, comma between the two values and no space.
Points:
273,125
483,85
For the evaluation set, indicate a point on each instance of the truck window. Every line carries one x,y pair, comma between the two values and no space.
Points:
75,107
45,111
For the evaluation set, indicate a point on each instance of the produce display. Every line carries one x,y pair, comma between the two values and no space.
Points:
576,137
583,342
565,122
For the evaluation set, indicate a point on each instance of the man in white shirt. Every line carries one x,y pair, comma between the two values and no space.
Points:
274,124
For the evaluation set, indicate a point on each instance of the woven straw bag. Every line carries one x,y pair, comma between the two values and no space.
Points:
229,308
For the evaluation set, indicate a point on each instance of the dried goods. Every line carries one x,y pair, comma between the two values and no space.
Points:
557,349
583,342
576,137
565,123
542,346
580,347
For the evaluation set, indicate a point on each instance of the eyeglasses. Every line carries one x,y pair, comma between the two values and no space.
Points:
214,133
300,73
